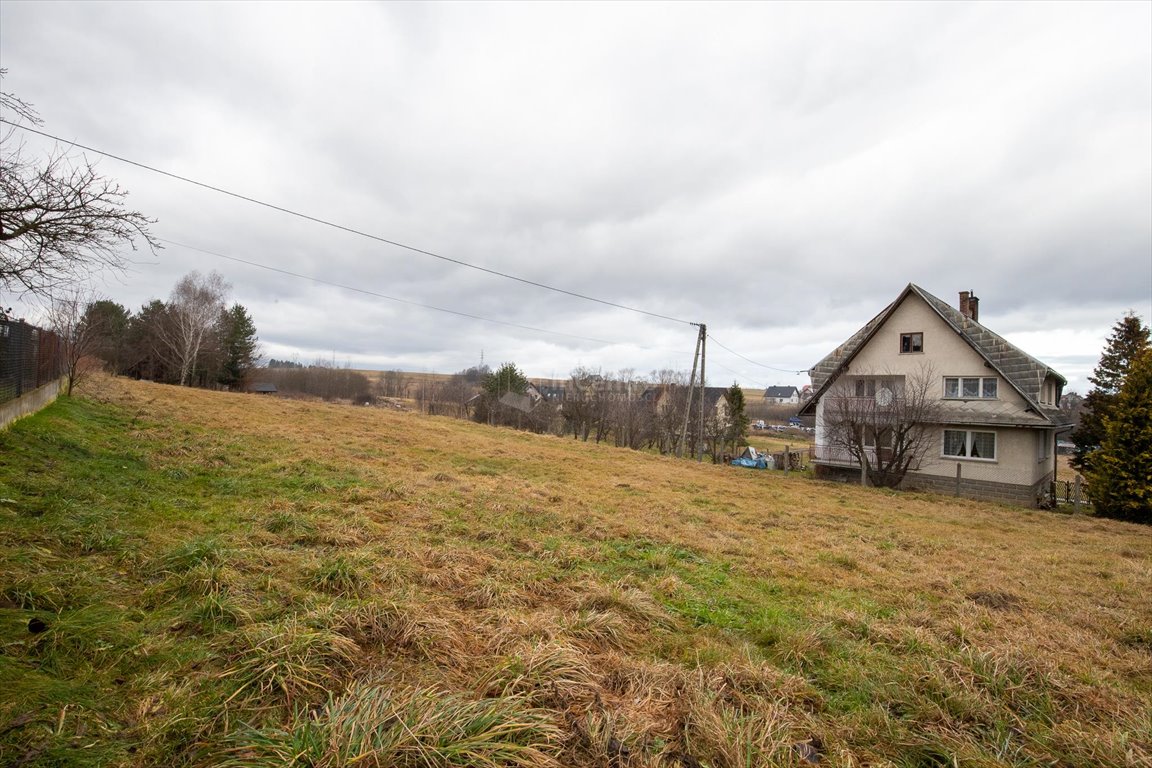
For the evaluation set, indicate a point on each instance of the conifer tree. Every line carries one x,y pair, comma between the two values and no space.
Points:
507,378
1130,337
737,417
238,345
1120,472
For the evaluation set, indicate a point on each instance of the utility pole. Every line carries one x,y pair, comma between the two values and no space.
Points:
691,387
703,400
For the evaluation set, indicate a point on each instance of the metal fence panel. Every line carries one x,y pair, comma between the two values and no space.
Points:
29,358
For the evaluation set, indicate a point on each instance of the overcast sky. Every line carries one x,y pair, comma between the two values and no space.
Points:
778,171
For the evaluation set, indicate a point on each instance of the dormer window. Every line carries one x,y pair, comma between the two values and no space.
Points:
911,342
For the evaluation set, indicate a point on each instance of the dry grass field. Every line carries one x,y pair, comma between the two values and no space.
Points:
197,578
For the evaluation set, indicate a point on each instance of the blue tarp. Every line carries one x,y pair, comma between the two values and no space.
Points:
760,463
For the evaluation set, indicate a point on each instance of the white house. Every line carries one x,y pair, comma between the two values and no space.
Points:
782,396
997,407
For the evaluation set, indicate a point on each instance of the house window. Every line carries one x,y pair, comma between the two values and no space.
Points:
970,388
970,444
911,342
1042,441
869,387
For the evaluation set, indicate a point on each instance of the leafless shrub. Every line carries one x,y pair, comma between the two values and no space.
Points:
885,422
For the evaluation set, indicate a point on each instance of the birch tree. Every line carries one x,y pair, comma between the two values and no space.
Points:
194,307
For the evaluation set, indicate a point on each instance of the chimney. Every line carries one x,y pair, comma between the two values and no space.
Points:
970,305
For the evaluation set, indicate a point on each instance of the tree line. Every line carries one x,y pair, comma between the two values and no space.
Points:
60,223
193,339
624,409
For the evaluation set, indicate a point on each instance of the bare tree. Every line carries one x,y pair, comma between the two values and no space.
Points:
885,422
193,309
670,399
393,384
580,405
59,219
629,415
80,333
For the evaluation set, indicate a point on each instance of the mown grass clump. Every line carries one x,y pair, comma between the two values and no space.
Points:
340,576
382,727
193,578
288,661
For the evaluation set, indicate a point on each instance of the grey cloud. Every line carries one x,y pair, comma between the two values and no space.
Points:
778,171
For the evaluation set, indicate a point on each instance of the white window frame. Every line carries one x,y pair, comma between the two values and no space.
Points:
981,385
968,439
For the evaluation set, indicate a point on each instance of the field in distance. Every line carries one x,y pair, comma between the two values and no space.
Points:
200,578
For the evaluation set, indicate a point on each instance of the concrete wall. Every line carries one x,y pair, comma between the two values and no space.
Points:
985,490
29,403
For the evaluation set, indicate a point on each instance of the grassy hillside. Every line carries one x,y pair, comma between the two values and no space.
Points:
194,578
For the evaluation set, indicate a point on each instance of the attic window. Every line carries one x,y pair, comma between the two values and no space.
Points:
911,342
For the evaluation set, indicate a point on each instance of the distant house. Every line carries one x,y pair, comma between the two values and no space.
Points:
998,407
782,396
523,403
552,393
534,394
714,401
262,388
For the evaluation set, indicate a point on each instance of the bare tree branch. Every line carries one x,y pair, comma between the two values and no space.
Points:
885,422
60,220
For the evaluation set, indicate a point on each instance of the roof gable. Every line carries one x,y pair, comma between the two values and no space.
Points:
781,392
1023,372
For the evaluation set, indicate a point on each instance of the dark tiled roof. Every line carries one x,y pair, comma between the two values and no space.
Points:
1022,371
781,392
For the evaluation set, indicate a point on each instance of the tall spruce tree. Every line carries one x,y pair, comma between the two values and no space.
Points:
737,427
1129,339
1120,473
238,342
112,321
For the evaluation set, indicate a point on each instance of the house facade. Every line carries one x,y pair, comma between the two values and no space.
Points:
782,396
994,410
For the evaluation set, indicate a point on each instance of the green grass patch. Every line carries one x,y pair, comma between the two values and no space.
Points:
189,578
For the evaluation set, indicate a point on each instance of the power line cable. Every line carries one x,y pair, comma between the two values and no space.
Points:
343,228
758,384
750,360
397,244
379,295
